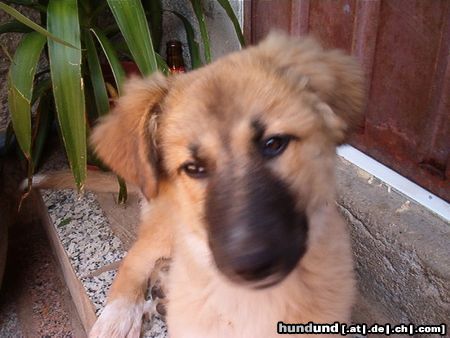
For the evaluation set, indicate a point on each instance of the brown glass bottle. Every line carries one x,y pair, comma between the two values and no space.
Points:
175,60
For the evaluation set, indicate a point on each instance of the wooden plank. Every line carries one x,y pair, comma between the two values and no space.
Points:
123,218
268,15
81,300
365,35
248,21
300,17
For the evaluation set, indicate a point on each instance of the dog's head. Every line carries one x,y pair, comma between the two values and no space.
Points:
249,144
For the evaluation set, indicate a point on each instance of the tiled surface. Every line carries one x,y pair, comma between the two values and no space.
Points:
84,232
97,286
155,328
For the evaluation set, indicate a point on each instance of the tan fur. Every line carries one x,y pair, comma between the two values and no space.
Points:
122,139
294,87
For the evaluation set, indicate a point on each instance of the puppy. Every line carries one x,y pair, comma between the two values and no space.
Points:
236,161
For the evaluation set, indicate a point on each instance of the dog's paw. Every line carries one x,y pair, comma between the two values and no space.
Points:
157,287
120,318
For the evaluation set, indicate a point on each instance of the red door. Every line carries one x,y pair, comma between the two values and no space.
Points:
404,47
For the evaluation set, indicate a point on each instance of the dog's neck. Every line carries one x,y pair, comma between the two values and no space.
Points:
196,280
194,246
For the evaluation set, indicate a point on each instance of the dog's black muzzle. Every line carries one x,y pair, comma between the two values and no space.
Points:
256,234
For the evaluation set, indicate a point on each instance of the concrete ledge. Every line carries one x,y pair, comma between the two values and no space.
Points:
402,251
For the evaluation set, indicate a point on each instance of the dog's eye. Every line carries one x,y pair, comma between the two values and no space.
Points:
274,145
194,170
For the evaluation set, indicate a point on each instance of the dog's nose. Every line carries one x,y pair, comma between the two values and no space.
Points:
256,266
256,231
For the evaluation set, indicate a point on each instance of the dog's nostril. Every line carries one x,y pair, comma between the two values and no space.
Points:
255,268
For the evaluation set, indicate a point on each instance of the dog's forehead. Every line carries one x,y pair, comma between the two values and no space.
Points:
229,92
218,107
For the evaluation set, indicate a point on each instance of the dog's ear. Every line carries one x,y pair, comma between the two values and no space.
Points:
125,139
335,77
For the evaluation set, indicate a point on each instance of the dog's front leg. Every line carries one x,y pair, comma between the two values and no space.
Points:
122,316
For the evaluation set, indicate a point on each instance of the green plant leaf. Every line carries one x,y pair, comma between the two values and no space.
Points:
14,26
119,77
194,49
5,50
23,19
89,100
44,121
84,7
20,87
237,27
40,88
68,89
130,17
111,30
199,13
123,193
122,49
96,75
162,65
154,8
99,7
111,55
